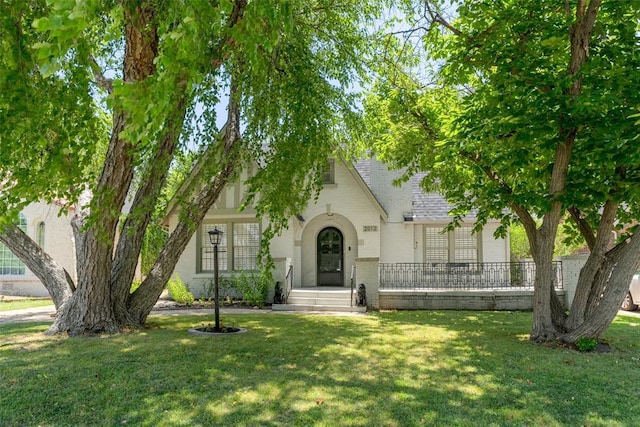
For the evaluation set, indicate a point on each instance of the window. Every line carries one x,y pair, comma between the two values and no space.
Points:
466,245
40,234
459,245
328,172
9,263
436,245
236,252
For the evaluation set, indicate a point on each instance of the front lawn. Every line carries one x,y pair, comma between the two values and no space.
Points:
385,369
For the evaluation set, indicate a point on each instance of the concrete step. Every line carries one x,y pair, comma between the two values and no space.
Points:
322,300
319,299
316,293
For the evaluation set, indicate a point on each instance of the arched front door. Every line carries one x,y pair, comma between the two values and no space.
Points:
330,262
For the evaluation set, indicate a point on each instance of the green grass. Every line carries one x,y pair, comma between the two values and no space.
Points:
18,304
385,369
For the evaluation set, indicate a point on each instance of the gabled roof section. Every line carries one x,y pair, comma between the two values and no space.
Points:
431,206
363,167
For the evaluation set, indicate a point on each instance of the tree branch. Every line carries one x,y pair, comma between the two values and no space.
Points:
239,7
101,80
437,18
225,155
52,275
583,226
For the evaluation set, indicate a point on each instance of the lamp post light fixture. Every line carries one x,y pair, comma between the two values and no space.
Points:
214,237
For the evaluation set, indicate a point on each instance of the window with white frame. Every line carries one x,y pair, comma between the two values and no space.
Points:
460,245
238,251
9,263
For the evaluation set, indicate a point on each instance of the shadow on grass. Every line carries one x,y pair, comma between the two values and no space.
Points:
405,368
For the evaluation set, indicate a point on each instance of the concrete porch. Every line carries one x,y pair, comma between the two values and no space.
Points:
320,298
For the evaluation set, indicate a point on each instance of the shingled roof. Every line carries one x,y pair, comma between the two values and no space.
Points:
426,206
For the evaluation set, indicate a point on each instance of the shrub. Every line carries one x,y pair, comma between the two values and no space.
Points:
179,291
586,344
254,288
225,287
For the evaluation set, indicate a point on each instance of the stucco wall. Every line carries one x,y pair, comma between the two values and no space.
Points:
399,243
397,199
369,231
571,266
345,206
494,250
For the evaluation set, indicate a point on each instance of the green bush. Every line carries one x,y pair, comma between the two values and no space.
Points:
179,291
254,288
226,287
586,344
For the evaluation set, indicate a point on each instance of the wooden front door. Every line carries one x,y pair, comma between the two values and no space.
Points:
330,258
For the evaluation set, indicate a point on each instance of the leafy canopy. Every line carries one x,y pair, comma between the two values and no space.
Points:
487,123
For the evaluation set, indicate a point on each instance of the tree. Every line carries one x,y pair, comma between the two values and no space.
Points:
528,107
105,94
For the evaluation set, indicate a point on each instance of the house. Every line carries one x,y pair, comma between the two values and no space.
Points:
362,230
52,231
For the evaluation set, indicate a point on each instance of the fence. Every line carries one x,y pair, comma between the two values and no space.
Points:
463,276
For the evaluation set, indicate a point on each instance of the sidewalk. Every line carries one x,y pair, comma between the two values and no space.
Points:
162,308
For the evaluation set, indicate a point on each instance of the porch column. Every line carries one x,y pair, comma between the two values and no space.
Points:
367,273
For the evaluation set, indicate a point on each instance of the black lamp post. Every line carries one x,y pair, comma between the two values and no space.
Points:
214,238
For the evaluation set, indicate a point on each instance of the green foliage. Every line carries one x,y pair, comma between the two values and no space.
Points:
253,287
52,130
586,344
73,103
179,291
487,124
519,244
564,245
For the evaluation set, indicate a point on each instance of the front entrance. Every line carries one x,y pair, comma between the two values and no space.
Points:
330,257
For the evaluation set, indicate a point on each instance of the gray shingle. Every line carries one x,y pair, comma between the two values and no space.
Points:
426,206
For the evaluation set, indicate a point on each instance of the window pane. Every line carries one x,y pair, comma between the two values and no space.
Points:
9,263
436,245
206,247
40,234
466,245
328,172
246,244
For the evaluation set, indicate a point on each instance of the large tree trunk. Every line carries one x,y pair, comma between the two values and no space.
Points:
604,306
101,301
544,327
131,238
595,263
89,310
